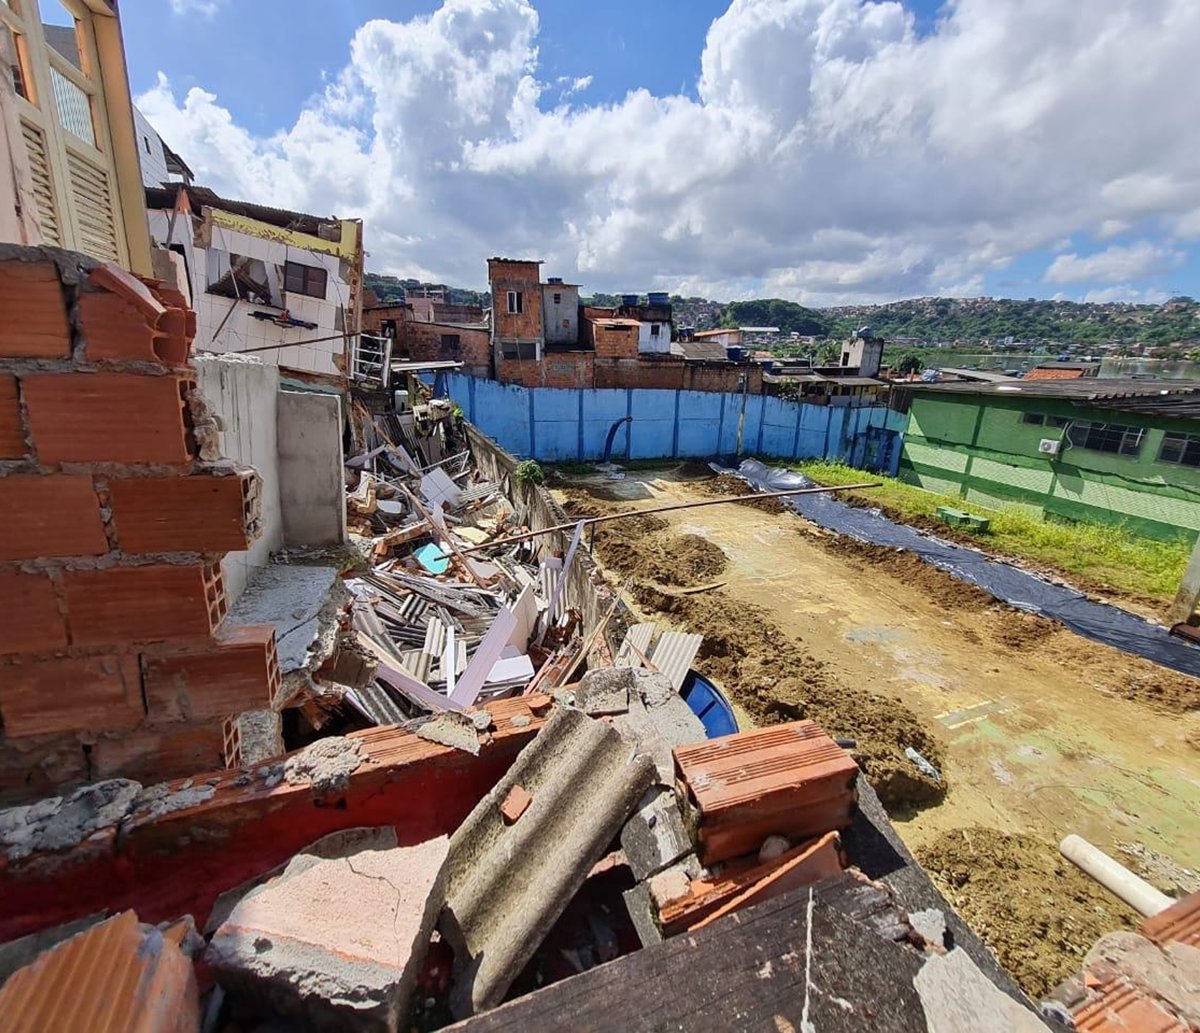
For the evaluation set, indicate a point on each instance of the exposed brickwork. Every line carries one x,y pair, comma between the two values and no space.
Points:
32,622
95,373
613,340
58,515
107,417
33,323
138,604
432,342
39,697
559,369
207,514
12,432
240,673
524,278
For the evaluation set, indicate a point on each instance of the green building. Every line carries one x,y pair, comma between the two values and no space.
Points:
1096,450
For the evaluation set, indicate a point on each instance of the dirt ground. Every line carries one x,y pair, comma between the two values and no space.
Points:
1037,732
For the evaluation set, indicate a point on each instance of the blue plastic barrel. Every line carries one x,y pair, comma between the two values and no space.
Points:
709,704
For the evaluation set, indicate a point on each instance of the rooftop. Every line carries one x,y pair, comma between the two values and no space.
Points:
1178,398
164,197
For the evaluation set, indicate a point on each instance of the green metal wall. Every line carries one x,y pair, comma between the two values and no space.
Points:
977,448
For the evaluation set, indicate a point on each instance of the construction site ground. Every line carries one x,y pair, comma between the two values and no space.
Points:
1037,732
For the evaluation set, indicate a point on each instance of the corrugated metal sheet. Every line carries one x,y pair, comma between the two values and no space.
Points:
1180,922
637,641
674,654
112,978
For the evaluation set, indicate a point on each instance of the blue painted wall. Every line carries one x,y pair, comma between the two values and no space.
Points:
571,424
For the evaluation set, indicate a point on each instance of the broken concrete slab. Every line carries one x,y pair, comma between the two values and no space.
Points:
604,691
326,764
302,602
508,884
458,731
335,942
641,911
655,836
640,730
956,996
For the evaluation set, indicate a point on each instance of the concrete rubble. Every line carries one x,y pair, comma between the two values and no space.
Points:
430,772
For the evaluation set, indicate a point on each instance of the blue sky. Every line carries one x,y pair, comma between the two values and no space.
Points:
837,151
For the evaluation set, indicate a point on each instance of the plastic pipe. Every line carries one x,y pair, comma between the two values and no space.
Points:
1114,876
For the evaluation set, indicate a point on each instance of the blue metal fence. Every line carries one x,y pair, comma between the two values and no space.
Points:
564,424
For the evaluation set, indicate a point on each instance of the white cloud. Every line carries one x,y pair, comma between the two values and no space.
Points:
830,154
1116,264
204,8
1127,293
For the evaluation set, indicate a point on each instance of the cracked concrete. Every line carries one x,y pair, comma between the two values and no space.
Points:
326,764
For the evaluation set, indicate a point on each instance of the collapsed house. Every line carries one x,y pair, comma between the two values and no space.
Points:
370,743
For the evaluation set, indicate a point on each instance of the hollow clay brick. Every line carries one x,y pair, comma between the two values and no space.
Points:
12,433
50,515
32,622
185,514
114,329
107,417
67,694
35,324
239,673
141,604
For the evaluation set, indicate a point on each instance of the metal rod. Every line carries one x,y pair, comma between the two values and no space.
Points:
667,509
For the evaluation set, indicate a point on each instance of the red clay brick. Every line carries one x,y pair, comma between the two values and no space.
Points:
67,694
39,766
240,673
12,434
155,753
107,417
176,328
185,514
35,313
114,328
123,283
32,622
141,604
46,516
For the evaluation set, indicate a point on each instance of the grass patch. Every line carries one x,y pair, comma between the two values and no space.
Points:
1101,554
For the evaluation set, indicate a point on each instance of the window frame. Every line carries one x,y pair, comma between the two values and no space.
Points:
303,290
516,303
1186,442
1129,442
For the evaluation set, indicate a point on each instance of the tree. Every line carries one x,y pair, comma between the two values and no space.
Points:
910,363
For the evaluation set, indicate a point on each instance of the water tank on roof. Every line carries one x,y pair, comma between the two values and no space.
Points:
733,353
629,300
659,298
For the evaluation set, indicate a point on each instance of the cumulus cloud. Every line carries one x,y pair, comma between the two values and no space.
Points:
205,8
830,153
1127,293
1116,264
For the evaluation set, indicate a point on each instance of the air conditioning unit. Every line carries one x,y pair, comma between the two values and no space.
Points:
1049,446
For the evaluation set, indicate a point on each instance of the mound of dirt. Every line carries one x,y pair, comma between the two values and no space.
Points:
770,674
724,485
1037,911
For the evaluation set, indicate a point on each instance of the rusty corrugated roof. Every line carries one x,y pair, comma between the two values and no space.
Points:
113,978
1180,922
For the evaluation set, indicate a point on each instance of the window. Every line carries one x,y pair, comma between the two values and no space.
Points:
304,279
654,328
520,350
1039,419
146,143
1106,437
450,346
10,51
558,299
1180,448
515,306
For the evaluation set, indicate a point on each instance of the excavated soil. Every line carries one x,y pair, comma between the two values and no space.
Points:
727,484
762,668
1037,911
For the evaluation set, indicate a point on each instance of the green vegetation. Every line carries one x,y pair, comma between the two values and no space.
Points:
529,472
1099,554
787,315
910,362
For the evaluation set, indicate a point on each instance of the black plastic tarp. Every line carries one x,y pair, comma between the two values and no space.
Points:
1020,588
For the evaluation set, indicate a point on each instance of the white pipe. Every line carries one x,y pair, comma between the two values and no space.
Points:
1114,876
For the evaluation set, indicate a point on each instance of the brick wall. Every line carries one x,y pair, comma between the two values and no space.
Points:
525,278
114,655
559,369
612,341
429,342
